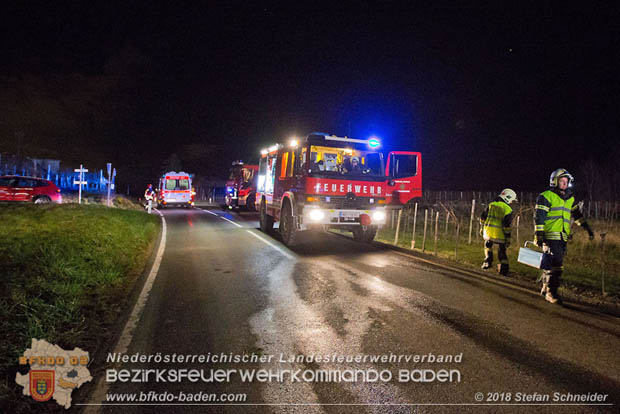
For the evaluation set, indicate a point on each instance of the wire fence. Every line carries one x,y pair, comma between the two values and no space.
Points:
448,224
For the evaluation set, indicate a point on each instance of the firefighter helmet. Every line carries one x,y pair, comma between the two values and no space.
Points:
508,195
557,174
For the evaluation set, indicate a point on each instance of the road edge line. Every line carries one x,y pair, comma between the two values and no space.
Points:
267,242
101,389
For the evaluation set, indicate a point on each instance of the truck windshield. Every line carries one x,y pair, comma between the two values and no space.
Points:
334,161
177,184
235,172
238,171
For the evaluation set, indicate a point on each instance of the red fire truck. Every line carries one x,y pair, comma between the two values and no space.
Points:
241,187
175,189
327,181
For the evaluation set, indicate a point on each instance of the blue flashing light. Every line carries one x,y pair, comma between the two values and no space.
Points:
374,142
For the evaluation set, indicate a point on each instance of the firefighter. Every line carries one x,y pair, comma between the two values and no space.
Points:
149,196
496,221
355,165
552,216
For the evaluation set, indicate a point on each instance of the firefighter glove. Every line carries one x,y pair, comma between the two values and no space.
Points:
539,238
587,228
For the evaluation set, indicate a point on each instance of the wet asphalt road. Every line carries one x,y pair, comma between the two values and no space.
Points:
228,288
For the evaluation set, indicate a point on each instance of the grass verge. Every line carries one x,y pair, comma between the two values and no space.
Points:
65,274
585,266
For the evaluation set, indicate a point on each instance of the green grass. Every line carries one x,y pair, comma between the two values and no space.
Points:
65,273
583,265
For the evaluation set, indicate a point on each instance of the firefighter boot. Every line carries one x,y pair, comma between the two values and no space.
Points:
488,255
553,298
502,268
552,290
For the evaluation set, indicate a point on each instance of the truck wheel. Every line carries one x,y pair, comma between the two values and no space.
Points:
288,230
250,202
369,234
364,236
358,234
266,221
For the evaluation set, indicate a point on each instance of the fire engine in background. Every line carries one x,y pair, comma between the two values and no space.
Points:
175,189
241,187
333,182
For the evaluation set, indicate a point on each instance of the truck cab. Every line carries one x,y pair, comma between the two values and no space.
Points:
241,186
325,181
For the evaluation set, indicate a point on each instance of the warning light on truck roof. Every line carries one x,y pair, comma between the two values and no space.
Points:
374,142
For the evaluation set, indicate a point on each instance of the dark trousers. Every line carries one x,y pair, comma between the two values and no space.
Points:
553,277
501,255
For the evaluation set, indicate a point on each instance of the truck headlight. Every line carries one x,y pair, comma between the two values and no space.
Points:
378,216
316,215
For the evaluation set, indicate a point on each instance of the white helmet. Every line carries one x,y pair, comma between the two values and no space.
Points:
557,174
508,195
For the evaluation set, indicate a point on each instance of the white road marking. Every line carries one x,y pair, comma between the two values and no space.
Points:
223,218
279,249
230,221
127,335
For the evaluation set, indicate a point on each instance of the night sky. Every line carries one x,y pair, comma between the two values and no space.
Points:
491,97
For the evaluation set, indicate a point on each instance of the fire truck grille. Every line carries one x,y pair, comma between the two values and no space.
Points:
360,203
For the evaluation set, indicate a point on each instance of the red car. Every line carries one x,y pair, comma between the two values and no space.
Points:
28,189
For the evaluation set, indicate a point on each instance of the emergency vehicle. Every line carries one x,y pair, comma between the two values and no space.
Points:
241,186
175,189
327,182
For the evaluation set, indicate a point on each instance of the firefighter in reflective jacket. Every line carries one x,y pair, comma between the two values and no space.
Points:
149,195
553,212
496,221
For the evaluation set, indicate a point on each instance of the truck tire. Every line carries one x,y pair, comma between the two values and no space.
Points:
369,234
266,221
250,203
288,230
366,236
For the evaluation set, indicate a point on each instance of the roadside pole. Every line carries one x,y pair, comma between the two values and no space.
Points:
415,217
603,234
436,231
424,237
400,213
471,219
110,181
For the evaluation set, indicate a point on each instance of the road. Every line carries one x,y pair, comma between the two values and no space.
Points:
225,287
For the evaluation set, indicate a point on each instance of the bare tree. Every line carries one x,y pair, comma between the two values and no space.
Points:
591,177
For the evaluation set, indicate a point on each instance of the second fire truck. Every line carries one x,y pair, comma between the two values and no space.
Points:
327,182
241,187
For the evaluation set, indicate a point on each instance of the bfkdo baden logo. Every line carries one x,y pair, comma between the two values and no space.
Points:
41,384
54,372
